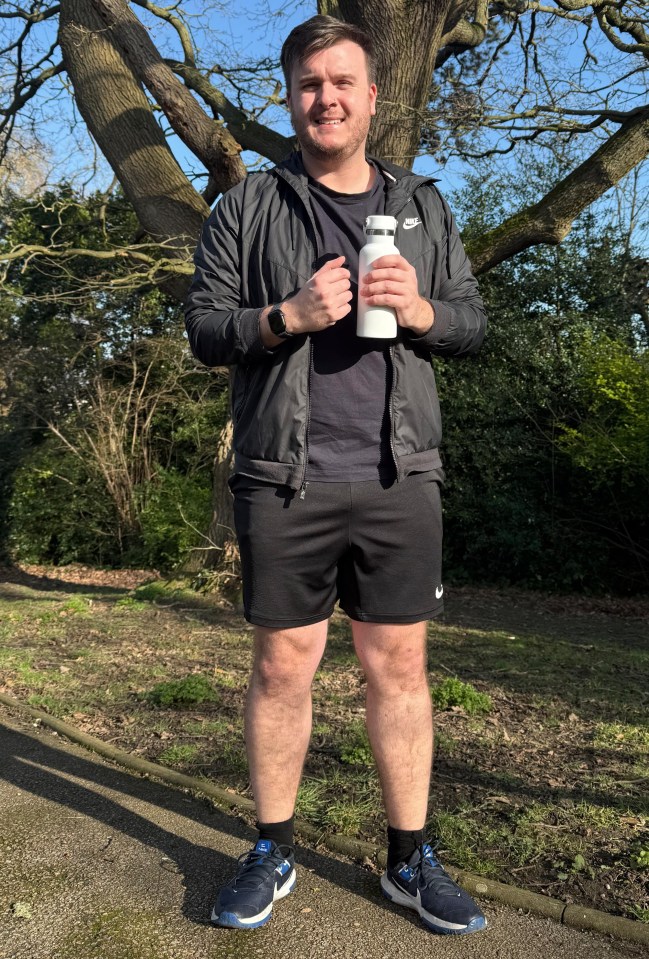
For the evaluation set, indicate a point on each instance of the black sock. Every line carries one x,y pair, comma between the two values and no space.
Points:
281,833
402,843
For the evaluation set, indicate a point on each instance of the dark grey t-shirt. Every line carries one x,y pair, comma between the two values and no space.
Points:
349,427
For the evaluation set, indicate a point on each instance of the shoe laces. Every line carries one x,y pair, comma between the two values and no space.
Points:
432,875
256,865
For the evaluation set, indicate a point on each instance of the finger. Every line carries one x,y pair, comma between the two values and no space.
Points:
391,260
392,273
332,289
336,285
341,311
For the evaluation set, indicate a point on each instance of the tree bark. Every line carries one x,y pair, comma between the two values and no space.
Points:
209,140
221,531
407,36
119,117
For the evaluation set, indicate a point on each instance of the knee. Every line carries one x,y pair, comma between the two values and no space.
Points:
276,675
284,669
397,673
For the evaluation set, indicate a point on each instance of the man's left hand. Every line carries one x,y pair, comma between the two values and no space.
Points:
392,281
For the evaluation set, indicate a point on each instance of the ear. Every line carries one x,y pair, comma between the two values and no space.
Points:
373,92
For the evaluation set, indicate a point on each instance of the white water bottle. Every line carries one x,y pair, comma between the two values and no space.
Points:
376,321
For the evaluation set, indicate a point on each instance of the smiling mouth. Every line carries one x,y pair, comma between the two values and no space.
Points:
329,123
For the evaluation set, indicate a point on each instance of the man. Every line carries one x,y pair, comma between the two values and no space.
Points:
337,471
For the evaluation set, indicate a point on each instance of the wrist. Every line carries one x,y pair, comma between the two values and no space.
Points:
291,317
268,338
424,319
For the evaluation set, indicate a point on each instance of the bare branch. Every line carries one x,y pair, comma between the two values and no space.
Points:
23,94
181,28
609,17
36,15
465,34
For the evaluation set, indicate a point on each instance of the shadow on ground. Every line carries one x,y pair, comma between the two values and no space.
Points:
35,767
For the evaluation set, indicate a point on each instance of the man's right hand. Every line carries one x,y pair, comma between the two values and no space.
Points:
322,301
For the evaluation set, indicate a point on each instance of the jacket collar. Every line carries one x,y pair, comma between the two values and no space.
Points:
292,170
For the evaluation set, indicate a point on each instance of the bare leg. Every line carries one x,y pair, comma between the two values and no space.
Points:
399,716
278,714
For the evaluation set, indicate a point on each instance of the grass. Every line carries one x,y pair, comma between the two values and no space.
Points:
541,721
178,755
355,748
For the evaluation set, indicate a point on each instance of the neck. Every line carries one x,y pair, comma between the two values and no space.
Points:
354,175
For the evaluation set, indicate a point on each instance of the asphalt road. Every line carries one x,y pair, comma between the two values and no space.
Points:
97,863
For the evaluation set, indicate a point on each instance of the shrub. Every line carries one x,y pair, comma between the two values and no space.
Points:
453,692
189,691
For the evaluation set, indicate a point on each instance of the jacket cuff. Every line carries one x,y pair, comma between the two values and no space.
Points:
249,336
443,317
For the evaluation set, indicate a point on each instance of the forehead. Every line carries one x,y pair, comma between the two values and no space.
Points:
343,57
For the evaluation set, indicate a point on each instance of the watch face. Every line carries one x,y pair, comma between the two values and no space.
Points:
276,322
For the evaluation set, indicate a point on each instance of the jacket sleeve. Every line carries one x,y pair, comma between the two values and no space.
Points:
220,331
460,317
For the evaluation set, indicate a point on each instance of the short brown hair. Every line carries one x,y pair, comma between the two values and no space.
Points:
320,33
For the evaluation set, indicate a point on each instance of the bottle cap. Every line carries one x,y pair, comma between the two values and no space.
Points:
383,223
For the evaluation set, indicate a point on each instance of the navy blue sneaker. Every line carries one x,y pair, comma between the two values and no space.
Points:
266,873
421,884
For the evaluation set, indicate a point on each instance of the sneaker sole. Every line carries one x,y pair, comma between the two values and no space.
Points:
440,926
230,920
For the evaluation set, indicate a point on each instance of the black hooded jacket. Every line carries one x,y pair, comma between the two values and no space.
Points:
258,247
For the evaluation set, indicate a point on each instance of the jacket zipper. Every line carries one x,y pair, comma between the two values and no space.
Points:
393,379
304,484
308,422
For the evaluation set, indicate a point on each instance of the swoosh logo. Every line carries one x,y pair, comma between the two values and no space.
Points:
439,592
411,224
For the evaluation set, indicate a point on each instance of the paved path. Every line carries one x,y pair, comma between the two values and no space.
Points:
107,865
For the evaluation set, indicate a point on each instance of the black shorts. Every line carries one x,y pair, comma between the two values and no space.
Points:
376,548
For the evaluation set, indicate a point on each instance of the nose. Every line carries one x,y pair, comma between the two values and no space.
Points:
327,95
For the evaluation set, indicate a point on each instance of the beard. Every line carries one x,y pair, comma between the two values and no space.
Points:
356,131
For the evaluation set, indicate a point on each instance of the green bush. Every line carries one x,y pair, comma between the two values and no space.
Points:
190,691
453,692
175,517
59,512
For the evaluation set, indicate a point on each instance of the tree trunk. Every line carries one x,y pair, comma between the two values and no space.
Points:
221,531
407,36
119,116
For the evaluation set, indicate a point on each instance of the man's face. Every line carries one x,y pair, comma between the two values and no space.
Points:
331,102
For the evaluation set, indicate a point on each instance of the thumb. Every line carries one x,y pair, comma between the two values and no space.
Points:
332,264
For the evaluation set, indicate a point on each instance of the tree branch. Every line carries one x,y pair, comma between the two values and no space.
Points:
181,28
465,34
208,140
31,16
549,220
249,133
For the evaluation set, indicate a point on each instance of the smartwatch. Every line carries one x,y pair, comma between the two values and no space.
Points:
277,323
